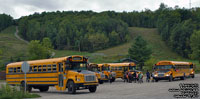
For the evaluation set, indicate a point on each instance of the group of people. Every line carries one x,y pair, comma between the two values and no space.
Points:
136,77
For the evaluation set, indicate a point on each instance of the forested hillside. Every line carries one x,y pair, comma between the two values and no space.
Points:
90,31
83,31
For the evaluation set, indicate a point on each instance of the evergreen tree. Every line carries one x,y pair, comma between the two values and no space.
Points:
140,51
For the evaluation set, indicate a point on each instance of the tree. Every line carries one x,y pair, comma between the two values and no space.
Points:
37,50
195,45
46,42
140,51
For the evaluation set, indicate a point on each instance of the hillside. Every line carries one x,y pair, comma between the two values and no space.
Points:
160,49
11,46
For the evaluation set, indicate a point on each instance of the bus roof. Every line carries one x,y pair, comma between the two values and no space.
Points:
52,60
173,63
122,64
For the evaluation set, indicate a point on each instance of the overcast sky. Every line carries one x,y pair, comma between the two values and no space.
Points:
18,8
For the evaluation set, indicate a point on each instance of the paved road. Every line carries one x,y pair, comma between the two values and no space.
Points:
121,90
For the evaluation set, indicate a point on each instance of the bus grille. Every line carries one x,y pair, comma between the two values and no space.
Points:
90,78
160,75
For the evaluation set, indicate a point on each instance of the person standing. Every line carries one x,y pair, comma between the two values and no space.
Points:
134,76
110,77
147,76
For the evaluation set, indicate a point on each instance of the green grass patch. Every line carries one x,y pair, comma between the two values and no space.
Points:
8,92
10,46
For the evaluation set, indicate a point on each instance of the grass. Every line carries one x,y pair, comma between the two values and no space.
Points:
8,92
10,46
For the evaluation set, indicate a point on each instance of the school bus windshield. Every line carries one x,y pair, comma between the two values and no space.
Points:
163,67
132,68
106,68
77,66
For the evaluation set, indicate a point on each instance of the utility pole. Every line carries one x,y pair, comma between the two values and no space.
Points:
190,4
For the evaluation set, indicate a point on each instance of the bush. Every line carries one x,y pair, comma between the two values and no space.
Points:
7,92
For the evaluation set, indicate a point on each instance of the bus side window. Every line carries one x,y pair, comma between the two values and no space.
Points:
39,68
120,68
44,68
18,69
49,68
30,70
14,69
35,69
10,70
54,68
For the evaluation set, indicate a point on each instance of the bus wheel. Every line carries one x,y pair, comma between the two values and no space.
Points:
192,76
100,82
183,77
71,87
28,87
44,88
92,88
156,80
170,78
113,79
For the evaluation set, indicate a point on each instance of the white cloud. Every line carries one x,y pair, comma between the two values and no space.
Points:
18,8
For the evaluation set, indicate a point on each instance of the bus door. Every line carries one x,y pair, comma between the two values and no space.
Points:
61,76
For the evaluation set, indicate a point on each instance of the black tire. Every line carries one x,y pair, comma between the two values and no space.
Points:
113,79
170,78
156,80
44,88
192,76
71,87
28,87
100,82
92,88
22,86
183,77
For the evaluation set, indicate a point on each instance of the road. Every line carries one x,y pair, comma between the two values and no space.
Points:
121,90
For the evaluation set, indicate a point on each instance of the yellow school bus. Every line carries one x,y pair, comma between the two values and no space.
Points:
101,76
173,69
66,72
104,68
121,68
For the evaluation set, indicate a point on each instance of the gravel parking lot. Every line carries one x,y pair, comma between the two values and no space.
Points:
121,90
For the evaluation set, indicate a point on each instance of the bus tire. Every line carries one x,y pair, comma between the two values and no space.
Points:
113,79
100,82
170,78
71,87
28,87
44,88
156,80
192,76
183,77
92,88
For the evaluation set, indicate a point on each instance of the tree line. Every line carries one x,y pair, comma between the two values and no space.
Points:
5,21
90,31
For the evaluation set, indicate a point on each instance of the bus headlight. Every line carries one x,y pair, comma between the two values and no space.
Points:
78,79
167,75
155,75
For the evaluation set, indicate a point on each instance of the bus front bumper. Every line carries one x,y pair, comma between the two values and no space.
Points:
87,84
161,78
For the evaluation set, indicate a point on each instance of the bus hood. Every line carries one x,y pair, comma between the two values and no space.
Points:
84,72
162,71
